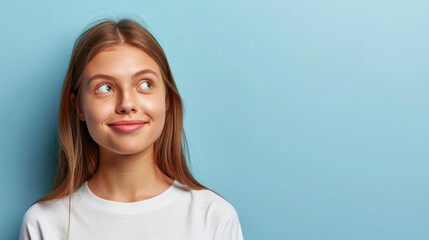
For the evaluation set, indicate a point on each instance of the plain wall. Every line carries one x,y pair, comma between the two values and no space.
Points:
310,117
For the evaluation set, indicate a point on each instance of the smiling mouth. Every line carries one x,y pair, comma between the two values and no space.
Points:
127,128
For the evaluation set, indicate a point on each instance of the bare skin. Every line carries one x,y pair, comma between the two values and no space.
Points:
127,171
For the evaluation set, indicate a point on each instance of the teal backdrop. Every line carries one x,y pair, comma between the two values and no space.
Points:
310,117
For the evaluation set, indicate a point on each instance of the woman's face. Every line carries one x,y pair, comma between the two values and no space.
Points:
123,83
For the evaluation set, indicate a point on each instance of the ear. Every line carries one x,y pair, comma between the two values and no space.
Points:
79,112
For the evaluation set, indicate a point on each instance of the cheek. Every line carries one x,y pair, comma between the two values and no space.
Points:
96,113
154,107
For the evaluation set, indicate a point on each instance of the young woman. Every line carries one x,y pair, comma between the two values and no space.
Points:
122,170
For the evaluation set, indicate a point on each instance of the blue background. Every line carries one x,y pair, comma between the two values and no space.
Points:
310,117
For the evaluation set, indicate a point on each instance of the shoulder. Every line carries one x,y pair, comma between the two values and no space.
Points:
218,215
51,210
40,216
214,206
46,209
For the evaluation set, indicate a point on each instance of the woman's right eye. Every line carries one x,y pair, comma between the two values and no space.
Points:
104,88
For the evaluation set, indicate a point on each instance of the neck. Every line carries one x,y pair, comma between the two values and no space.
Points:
128,178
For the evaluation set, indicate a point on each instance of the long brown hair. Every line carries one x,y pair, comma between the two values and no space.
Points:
78,153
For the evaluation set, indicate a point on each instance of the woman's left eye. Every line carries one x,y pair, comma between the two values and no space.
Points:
146,84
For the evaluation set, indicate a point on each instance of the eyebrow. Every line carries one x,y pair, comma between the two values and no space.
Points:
105,76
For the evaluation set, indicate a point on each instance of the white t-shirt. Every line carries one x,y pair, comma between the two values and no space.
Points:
177,213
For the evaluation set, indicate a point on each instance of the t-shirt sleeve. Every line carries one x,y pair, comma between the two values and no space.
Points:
232,227
29,226
223,220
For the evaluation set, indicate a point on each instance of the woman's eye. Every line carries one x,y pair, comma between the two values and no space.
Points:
104,88
146,85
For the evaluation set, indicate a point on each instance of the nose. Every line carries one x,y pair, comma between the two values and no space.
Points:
126,103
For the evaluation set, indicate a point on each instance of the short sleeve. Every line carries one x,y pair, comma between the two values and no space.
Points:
222,218
232,227
29,226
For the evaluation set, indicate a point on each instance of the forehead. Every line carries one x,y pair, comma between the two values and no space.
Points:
120,61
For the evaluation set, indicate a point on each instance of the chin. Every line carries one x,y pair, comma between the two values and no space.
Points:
128,150
125,146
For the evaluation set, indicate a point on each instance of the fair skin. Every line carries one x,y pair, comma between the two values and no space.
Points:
114,89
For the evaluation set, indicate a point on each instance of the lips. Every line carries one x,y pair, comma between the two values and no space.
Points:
127,126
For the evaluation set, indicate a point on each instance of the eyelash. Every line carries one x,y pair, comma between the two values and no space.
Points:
106,84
